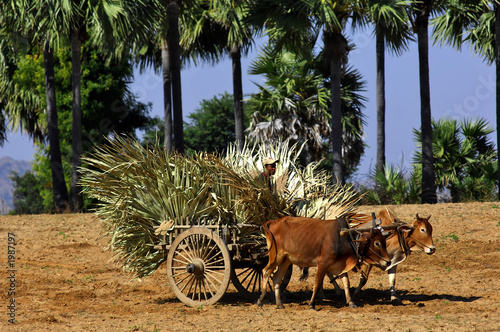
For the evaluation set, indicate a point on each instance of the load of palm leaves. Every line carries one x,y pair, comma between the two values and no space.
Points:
140,188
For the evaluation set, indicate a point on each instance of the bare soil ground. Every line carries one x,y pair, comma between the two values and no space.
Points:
64,281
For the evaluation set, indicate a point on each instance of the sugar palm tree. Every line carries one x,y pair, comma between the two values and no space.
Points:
476,22
291,22
104,22
420,12
177,37
232,16
175,72
294,103
145,47
217,29
392,31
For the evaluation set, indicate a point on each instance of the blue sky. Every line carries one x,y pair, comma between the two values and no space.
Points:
462,86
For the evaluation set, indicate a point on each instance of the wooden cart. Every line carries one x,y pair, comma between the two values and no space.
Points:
203,257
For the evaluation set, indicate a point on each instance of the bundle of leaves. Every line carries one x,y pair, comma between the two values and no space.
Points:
139,188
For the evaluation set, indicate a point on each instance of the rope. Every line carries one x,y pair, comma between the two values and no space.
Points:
354,245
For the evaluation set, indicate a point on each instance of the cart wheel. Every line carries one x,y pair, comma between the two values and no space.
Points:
248,280
198,267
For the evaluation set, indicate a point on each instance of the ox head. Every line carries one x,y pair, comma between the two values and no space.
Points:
372,248
420,235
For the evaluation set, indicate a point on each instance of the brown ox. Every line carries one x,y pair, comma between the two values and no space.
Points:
418,236
308,242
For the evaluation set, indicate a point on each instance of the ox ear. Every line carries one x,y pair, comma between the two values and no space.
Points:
405,228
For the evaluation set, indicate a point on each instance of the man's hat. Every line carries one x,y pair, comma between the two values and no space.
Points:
269,161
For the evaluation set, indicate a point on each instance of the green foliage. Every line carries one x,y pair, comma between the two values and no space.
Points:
471,22
452,237
211,127
393,186
27,189
107,104
464,158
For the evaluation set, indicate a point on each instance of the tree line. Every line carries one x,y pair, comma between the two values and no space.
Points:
311,93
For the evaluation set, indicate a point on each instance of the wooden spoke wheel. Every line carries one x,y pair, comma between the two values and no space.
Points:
198,267
248,280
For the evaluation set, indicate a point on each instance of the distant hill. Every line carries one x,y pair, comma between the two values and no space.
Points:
7,165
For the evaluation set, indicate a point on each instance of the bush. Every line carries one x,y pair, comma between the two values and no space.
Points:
27,189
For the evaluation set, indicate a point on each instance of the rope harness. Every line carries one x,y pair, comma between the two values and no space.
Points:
401,238
355,245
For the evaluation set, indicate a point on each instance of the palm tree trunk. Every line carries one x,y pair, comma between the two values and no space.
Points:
335,42
380,51
428,176
76,199
167,92
59,189
175,70
239,125
497,63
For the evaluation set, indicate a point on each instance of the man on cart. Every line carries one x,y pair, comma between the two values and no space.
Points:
269,165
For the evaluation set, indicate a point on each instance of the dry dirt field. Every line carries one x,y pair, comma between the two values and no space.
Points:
64,281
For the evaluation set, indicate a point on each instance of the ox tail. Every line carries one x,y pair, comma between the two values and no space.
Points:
268,232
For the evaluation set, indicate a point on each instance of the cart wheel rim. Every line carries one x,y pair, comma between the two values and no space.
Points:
198,267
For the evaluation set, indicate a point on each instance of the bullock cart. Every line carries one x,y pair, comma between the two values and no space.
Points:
204,256
200,215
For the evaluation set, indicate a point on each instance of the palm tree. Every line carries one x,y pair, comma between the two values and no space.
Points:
164,34
104,20
294,104
145,47
42,22
462,154
291,22
175,72
232,17
476,22
391,28
421,11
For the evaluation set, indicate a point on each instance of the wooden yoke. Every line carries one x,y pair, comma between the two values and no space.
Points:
375,224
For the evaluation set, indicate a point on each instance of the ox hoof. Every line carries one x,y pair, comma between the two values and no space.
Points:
280,306
312,308
259,303
352,305
395,299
